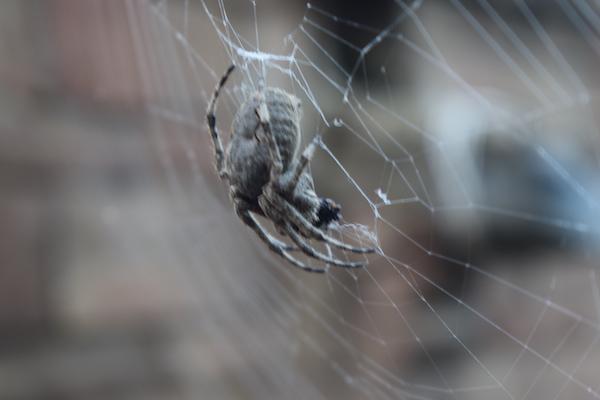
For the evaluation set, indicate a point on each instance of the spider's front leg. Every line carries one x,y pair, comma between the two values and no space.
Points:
312,252
275,209
308,229
242,206
278,247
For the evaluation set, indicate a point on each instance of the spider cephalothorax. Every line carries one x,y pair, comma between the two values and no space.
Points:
267,177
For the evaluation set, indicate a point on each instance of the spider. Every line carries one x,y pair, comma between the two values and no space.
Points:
267,178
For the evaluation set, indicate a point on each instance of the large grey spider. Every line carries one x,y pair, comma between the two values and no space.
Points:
268,179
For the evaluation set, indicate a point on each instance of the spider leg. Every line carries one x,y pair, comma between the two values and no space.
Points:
284,246
300,166
310,251
309,230
212,126
274,244
262,112
238,199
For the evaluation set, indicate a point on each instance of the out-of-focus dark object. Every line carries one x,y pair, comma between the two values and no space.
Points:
522,185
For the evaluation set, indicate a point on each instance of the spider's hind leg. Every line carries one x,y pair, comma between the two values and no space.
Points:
264,119
327,210
211,119
299,168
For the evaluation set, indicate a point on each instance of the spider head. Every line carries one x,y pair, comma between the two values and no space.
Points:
328,212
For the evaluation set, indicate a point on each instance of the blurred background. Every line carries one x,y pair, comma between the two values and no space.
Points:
465,139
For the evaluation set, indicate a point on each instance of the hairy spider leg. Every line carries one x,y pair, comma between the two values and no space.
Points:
262,112
309,250
243,212
279,218
301,165
310,230
212,125
236,197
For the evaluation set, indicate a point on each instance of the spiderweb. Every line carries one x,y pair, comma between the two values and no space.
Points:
461,139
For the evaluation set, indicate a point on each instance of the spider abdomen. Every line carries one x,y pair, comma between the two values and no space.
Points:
248,159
